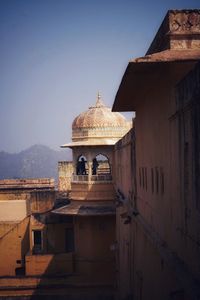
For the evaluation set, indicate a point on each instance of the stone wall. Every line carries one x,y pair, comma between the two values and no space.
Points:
65,170
37,183
49,264
41,201
13,247
160,245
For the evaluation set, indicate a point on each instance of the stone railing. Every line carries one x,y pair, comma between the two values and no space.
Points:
101,177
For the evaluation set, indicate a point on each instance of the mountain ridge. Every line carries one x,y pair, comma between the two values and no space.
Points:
36,161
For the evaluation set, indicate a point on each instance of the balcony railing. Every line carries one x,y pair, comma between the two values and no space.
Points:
100,177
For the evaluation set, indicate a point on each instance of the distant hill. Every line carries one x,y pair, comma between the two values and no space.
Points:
36,161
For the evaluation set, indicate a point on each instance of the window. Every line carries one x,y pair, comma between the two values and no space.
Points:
69,240
143,178
145,172
101,165
152,180
162,185
37,241
140,177
157,180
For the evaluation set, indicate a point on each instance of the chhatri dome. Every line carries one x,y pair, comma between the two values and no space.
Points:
98,126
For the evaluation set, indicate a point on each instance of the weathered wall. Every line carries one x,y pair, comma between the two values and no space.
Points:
53,234
188,157
42,201
94,258
14,205
100,190
27,184
65,170
159,200
49,264
124,182
6,226
162,234
15,210
13,247
153,278
14,194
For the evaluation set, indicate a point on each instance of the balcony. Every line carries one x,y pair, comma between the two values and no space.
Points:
99,177
92,187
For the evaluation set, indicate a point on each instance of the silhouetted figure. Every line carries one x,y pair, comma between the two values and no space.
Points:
78,168
82,167
94,166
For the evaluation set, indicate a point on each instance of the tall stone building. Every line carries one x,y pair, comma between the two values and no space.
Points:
158,221
92,193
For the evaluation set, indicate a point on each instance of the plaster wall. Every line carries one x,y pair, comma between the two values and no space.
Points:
42,201
153,279
124,182
6,226
102,191
94,258
161,195
167,156
49,264
53,235
13,247
14,195
15,210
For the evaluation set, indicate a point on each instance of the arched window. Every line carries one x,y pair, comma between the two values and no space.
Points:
81,166
101,165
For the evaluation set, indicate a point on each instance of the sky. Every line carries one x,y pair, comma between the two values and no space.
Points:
55,55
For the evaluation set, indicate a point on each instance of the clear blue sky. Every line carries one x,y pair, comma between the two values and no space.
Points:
56,54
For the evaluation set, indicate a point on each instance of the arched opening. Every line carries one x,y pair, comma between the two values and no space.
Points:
81,166
101,167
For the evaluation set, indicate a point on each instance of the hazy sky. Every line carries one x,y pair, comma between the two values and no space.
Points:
55,55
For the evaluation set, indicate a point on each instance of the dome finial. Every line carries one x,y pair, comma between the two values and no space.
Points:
99,102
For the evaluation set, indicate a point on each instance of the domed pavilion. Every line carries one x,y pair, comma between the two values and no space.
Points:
94,133
92,194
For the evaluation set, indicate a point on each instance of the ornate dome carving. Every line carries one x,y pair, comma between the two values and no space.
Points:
98,126
99,116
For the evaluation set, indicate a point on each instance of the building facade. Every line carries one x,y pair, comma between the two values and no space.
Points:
161,235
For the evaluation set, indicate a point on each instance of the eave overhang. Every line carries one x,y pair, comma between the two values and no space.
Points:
83,208
93,142
147,73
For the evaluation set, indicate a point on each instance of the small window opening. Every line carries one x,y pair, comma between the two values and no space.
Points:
157,180
140,177
37,241
152,180
69,240
145,171
143,178
162,184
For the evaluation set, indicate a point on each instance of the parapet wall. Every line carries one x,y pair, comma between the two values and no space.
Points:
179,30
38,183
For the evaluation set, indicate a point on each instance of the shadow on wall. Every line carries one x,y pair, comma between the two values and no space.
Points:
59,279
25,246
